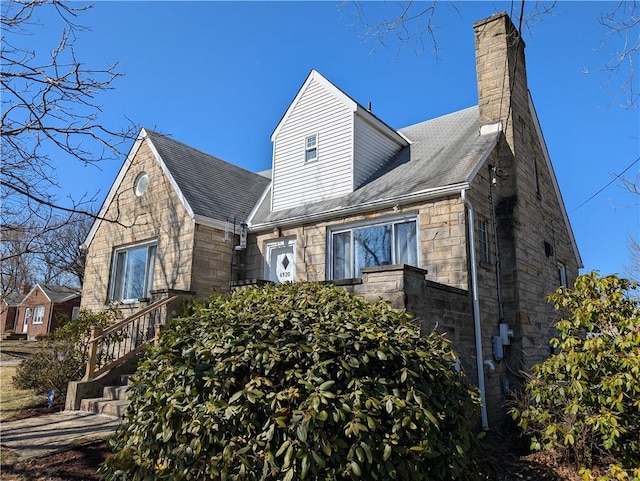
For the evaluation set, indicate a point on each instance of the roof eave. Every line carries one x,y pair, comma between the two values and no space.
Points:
422,195
210,222
554,180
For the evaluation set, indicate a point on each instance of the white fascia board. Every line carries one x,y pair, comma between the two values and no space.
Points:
68,298
259,203
421,195
125,167
172,181
273,172
348,102
381,127
209,222
37,286
554,180
484,157
115,186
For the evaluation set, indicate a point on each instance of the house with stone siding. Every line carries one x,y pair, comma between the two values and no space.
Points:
458,219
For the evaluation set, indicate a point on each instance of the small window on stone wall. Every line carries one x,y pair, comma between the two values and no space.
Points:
537,178
483,241
562,275
141,184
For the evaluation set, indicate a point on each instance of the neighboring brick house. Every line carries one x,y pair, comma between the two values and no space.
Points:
44,308
458,219
9,312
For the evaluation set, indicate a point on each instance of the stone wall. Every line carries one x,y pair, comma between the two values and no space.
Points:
532,235
442,239
215,262
156,215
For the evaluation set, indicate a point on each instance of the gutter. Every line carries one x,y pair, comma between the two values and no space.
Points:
421,195
476,310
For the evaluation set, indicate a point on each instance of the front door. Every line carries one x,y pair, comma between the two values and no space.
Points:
27,315
281,261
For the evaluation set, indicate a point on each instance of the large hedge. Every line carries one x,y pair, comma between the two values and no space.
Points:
297,381
63,357
584,401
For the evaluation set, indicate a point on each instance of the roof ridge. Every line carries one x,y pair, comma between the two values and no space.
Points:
195,149
439,117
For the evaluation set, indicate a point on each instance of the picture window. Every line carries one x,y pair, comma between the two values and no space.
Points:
132,272
361,246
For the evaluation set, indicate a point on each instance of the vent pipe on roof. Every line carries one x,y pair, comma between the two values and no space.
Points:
369,106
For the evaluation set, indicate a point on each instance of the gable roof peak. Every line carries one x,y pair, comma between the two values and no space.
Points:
345,99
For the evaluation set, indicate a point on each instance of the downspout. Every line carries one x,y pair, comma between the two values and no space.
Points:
476,310
50,318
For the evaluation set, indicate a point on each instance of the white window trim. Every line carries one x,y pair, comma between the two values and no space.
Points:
398,219
141,184
38,315
148,282
562,274
269,247
309,149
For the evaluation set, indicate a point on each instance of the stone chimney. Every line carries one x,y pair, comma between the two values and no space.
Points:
501,72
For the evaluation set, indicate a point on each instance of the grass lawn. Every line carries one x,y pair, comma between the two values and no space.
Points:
18,349
13,400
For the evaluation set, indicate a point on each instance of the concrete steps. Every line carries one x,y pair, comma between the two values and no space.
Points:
114,400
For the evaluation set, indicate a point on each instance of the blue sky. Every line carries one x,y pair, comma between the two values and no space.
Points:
219,75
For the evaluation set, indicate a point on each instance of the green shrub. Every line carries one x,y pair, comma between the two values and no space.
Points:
296,381
63,357
584,401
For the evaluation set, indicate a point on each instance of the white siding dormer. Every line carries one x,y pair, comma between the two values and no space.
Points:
326,145
374,147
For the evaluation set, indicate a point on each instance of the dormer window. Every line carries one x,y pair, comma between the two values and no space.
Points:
311,148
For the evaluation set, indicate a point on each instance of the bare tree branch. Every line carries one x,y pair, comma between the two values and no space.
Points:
409,23
623,39
50,115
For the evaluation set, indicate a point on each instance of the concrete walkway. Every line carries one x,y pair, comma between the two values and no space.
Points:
52,433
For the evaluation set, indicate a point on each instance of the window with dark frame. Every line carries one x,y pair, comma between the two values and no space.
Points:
483,241
355,248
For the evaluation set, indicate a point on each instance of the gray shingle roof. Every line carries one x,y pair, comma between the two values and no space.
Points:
13,299
213,188
59,293
444,152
